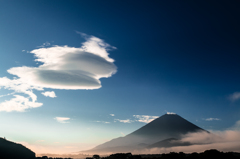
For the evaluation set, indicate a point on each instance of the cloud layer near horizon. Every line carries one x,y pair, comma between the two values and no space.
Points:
62,67
228,140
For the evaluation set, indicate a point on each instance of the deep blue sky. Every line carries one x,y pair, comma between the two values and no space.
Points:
171,56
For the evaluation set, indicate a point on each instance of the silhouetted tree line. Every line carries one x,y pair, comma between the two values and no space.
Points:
208,154
45,157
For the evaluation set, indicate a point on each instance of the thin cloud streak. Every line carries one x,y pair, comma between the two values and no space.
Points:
7,94
45,44
212,119
145,118
124,121
172,113
62,119
105,122
138,118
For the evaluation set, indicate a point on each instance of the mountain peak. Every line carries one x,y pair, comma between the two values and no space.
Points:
169,125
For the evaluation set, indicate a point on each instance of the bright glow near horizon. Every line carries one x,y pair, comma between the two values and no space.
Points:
75,74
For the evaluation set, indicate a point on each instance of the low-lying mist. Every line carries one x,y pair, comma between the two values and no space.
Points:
228,140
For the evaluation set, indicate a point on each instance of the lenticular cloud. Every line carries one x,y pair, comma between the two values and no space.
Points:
67,67
62,67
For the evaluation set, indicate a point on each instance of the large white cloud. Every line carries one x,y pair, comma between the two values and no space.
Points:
62,67
67,67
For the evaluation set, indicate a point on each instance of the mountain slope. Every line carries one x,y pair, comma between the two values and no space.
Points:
171,142
11,150
165,127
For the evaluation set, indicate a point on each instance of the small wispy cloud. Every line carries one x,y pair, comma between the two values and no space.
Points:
112,114
124,121
169,113
7,94
235,96
49,94
62,119
105,122
145,118
45,44
236,126
211,119
138,118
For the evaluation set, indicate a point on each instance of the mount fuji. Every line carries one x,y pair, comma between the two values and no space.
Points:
161,132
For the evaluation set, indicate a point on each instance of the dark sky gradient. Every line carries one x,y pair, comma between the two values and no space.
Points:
176,56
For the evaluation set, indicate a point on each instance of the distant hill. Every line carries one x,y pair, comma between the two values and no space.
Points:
161,132
11,150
